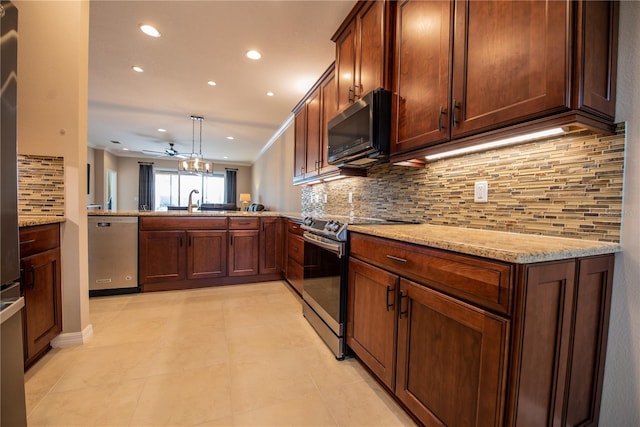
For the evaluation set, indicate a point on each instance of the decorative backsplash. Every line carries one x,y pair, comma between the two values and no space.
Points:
569,187
40,185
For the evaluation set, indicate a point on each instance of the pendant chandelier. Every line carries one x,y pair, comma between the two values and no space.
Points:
196,164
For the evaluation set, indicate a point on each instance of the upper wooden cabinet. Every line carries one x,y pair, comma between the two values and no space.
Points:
467,67
362,51
421,86
311,117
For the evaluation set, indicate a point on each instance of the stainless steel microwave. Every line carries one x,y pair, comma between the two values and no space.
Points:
359,136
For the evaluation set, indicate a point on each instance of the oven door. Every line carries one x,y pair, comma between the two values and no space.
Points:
324,289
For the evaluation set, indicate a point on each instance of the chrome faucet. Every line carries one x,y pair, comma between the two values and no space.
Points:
192,206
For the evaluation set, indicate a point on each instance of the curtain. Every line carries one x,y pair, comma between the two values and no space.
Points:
146,188
230,187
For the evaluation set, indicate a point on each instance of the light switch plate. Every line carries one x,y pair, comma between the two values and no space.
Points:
481,192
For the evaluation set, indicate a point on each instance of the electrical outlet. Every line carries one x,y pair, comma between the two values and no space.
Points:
350,197
481,192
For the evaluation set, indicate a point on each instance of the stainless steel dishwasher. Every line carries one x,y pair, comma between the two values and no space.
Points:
113,255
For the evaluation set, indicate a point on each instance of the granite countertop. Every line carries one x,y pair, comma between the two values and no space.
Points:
28,221
499,245
294,215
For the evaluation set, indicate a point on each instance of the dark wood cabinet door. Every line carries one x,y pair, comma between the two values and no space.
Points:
452,359
371,318
161,256
510,62
541,344
243,252
206,254
271,242
329,96
300,144
370,53
43,301
313,134
346,65
421,86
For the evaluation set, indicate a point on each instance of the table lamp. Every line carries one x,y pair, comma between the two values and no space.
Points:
245,198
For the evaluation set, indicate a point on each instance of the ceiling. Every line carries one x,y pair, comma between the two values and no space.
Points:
202,41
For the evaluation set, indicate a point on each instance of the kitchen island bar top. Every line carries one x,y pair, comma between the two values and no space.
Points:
498,245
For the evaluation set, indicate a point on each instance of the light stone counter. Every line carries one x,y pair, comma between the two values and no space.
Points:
498,245
293,215
28,221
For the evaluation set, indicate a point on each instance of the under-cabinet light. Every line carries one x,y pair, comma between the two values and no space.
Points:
499,143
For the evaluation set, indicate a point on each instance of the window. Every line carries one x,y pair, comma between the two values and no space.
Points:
172,189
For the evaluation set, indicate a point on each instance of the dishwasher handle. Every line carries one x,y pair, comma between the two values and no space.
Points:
103,224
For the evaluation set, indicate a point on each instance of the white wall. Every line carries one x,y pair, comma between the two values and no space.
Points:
273,176
621,394
53,49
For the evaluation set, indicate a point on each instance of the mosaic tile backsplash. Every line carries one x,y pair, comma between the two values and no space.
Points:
568,187
40,185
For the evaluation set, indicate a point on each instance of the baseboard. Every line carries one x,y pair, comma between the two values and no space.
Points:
71,339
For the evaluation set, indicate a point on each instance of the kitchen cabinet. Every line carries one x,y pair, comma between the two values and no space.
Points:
516,344
294,272
448,348
244,240
362,49
310,129
41,280
179,250
481,65
271,243
371,318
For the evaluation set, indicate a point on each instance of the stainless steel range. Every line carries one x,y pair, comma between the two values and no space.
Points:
325,276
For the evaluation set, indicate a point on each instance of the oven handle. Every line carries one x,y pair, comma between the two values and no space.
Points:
336,248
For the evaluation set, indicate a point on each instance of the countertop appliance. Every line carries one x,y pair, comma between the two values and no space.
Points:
12,399
359,137
324,293
113,255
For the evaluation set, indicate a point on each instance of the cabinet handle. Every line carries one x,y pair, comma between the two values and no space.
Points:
455,108
244,223
395,258
180,241
231,243
404,296
27,242
389,292
443,111
189,240
352,94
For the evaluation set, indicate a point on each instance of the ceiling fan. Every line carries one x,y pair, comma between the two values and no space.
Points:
169,151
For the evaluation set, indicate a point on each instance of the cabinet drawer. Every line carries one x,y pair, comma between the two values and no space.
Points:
39,238
484,282
295,249
244,223
294,227
182,223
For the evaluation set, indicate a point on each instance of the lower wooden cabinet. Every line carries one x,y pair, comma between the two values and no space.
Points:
455,359
42,284
186,252
294,272
451,359
371,318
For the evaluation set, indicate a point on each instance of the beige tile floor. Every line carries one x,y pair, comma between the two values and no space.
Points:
227,356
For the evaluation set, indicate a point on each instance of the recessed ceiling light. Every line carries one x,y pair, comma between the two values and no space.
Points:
137,69
269,93
149,30
125,149
254,54
211,83
229,137
225,157
161,130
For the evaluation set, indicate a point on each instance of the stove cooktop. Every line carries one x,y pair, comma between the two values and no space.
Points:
335,227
